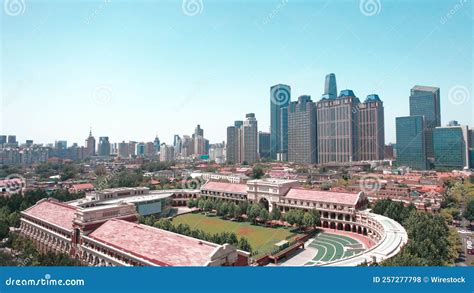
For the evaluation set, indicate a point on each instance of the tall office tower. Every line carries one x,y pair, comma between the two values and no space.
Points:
187,147
425,101
132,148
280,97
471,148
166,153
264,144
104,146
141,149
149,149
199,145
123,151
206,146
302,140
29,143
451,147
60,148
90,145
11,139
330,87
371,129
411,148
249,134
337,128
198,131
238,139
156,144
177,143
216,153
3,140
233,143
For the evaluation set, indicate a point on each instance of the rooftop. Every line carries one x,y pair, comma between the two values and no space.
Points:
158,246
225,187
323,196
53,212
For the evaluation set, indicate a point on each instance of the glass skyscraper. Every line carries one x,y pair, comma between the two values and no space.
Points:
330,87
411,149
424,101
451,147
280,97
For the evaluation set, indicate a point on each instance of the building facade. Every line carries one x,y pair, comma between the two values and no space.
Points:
371,132
302,139
411,148
280,97
451,149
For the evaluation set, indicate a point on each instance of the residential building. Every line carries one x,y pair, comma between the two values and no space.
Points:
302,140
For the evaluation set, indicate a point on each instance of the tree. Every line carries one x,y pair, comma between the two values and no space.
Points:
264,215
257,172
244,244
208,205
4,229
275,214
308,220
164,224
254,212
469,211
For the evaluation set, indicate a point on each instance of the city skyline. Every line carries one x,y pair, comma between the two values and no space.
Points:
133,79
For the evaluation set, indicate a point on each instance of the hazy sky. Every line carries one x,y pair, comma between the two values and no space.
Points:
133,69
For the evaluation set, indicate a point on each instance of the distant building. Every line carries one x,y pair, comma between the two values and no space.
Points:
123,151
3,140
90,145
156,144
166,153
280,97
264,146
141,149
104,146
302,140
249,139
411,148
371,129
425,101
330,86
389,152
337,128
451,149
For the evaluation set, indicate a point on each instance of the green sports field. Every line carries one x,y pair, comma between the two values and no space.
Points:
261,238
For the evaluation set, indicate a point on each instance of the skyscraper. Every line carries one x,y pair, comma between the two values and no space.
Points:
177,143
330,87
249,134
264,144
104,146
337,128
302,131
3,140
166,153
156,144
425,101
371,130
280,97
450,146
90,145
232,145
411,148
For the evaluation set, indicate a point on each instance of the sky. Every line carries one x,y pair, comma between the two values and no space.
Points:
133,69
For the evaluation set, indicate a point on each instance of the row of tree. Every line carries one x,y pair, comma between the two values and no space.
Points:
184,229
256,213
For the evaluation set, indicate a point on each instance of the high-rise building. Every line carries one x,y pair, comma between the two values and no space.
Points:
451,147
149,149
411,148
177,143
90,145
123,150
425,101
141,149
337,128
280,97
3,140
199,142
249,134
330,87
264,144
28,143
166,153
232,144
104,146
156,144
302,140
187,147
371,132
132,148
11,139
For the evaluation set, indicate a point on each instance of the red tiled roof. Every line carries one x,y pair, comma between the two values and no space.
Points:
225,187
83,186
323,196
161,247
53,212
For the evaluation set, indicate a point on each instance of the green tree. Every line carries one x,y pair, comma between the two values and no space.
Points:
4,229
264,215
275,214
254,212
244,244
469,211
257,172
